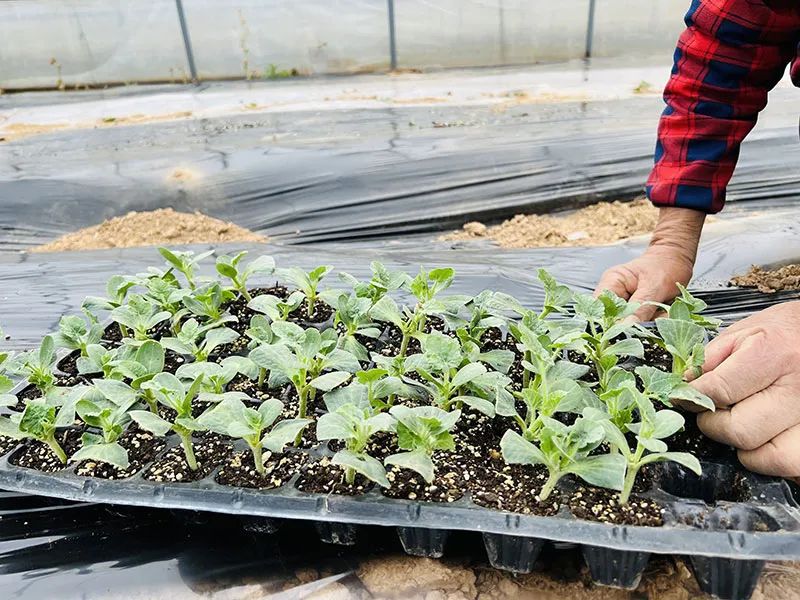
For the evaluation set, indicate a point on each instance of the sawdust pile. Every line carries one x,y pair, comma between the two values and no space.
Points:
152,228
595,225
785,278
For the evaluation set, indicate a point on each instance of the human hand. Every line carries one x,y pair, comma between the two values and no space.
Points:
668,260
650,277
752,372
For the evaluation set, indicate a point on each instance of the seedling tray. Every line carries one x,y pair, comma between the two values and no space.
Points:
727,542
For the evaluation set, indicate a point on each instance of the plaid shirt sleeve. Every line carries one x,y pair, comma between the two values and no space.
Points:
731,54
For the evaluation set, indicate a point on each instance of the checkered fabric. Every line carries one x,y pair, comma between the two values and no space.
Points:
731,55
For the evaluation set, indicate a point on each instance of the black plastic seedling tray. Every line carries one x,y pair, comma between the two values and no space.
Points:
727,542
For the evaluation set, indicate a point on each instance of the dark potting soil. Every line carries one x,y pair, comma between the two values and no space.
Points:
241,383
37,455
598,504
210,451
477,434
322,313
323,477
692,440
381,445
493,339
513,488
393,340
142,447
31,392
113,334
656,356
409,485
69,364
7,444
237,346
238,308
371,344
580,359
240,471
173,360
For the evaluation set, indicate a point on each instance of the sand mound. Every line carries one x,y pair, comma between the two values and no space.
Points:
153,228
599,224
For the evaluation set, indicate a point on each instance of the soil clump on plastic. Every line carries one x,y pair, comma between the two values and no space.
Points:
152,228
599,224
769,281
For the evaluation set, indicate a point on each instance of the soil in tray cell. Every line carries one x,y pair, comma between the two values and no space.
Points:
37,455
112,334
142,448
69,364
323,477
656,356
240,471
692,440
248,386
322,312
31,392
513,488
598,504
209,451
447,485
172,360
238,308
493,339
7,444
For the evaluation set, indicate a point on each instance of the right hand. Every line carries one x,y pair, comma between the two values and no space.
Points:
652,276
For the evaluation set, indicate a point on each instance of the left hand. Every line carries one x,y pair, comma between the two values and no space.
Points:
752,372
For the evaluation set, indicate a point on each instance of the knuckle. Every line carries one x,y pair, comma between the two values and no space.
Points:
776,461
719,389
741,435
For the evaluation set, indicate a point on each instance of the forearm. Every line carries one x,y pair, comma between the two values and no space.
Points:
678,231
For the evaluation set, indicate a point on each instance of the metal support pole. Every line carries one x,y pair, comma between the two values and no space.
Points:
392,37
590,29
187,42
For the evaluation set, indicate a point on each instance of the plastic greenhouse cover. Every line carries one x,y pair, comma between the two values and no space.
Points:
308,172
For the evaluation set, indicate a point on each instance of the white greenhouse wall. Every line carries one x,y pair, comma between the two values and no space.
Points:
93,41
117,41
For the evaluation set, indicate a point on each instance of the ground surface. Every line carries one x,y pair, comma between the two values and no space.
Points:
407,578
157,227
770,280
598,224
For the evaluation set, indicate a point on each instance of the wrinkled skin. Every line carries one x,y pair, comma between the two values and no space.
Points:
752,372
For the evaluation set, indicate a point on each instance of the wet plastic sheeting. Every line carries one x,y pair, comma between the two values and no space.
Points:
317,176
39,288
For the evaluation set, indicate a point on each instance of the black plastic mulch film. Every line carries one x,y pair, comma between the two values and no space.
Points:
727,540
336,175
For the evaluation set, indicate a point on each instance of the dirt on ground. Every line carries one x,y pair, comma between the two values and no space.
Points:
595,225
153,228
411,578
769,281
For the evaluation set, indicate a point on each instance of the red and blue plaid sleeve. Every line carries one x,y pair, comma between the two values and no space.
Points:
731,54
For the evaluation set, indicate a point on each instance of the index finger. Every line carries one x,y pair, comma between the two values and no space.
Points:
737,366
617,281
